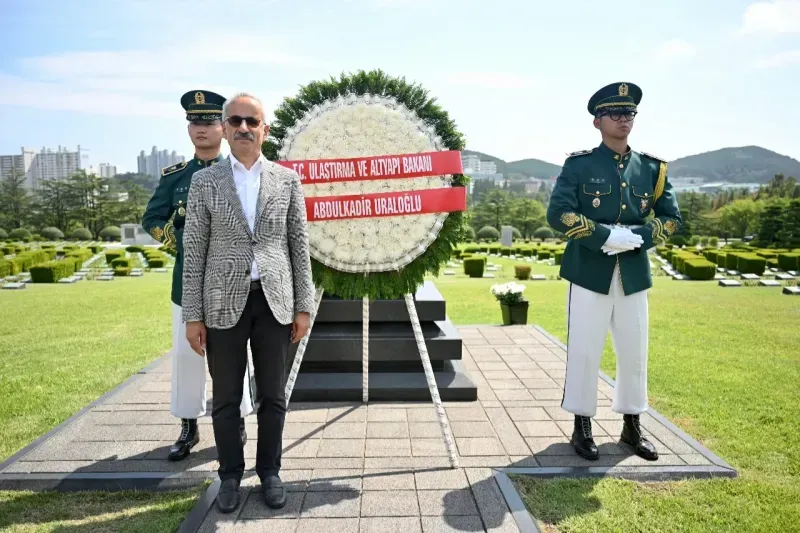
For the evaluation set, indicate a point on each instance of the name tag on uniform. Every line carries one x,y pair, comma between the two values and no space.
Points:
597,180
181,189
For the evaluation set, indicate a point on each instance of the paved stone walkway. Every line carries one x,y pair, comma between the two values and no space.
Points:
380,467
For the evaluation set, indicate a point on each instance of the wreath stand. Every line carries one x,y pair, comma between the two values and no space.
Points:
444,424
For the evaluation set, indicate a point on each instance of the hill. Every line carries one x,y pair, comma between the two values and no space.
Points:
535,168
745,164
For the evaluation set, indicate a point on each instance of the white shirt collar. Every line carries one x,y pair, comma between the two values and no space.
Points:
257,167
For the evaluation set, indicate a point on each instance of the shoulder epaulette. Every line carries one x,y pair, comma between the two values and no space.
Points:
166,171
651,156
580,152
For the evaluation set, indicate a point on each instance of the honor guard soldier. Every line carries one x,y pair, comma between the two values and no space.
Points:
164,219
613,204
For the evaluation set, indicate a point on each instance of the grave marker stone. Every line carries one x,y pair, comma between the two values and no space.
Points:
14,285
751,277
506,235
768,283
68,279
449,273
679,277
729,283
784,277
538,277
105,277
488,275
733,272
792,291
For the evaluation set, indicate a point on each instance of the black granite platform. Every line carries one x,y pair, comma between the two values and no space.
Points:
332,364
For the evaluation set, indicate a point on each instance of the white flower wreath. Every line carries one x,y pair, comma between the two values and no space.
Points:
359,126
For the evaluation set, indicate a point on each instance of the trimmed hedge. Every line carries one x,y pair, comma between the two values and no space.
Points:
699,269
120,262
558,255
732,260
527,252
5,268
789,261
114,254
505,251
722,259
134,248
95,248
543,254
52,271
122,271
751,264
473,266
522,272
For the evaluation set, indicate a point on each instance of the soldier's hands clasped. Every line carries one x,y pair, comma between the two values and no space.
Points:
621,240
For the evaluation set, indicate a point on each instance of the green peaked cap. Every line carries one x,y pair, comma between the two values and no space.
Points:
620,96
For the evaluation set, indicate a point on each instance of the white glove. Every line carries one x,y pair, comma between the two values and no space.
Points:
621,240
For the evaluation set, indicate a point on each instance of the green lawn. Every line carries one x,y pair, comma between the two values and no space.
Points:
65,345
724,366
95,512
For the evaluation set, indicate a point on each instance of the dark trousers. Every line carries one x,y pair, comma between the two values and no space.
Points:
226,351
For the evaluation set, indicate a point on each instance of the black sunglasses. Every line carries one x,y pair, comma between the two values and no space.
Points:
236,121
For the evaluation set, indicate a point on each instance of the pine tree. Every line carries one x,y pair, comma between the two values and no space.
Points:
771,223
789,235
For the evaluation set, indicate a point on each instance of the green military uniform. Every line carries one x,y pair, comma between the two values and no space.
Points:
164,219
165,215
598,194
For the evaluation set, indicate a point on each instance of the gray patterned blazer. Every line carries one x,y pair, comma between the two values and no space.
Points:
219,247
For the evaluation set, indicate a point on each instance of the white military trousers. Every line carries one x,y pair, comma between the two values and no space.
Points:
188,399
589,317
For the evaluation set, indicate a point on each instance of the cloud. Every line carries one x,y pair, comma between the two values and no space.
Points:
143,81
493,80
782,59
674,50
778,16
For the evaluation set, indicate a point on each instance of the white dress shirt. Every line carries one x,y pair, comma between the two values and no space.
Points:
248,183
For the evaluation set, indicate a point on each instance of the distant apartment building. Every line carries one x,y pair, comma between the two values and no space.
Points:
158,159
106,170
473,165
42,166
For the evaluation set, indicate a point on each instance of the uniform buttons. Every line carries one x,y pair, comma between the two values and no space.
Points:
624,206
621,165
624,184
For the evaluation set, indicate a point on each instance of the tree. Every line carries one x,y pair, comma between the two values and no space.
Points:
94,204
526,214
740,217
492,209
779,187
55,204
789,235
770,224
14,201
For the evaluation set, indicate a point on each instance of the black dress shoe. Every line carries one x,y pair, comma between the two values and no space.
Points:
582,439
632,436
274,492
190,436
242,432
228,496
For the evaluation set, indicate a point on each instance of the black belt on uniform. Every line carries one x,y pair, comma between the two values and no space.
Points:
255,285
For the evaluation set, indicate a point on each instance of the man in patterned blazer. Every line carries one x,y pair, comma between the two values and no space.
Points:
247,276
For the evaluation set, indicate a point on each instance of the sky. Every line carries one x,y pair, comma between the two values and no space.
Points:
515,75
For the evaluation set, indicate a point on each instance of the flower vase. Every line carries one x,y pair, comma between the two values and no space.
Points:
515,314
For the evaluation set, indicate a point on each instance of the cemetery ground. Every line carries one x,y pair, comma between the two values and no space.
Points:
724,366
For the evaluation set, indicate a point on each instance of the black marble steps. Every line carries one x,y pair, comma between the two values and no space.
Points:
429,302
453,382
388,341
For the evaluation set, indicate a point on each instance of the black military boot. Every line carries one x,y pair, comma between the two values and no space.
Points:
632,436
582,438
242,432
190,436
